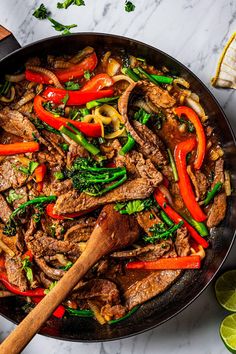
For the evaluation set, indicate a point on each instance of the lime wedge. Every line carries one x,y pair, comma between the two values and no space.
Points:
225,289
228,332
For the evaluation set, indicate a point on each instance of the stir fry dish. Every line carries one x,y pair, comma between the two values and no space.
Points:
104,129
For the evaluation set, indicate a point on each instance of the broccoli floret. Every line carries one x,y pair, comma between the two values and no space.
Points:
90,177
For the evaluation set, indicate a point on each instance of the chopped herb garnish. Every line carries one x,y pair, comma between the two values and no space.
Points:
65,4
42,125
87,75
159,232
57,111
64,146
134,206
71,85
129,6
65,99
52,285
67,266
26,266
59,175
41,12
30,169
65,29
12,196
74,114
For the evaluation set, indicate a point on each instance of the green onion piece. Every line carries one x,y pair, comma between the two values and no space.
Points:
58,175
199,226
126,316
79,139
80,313
211,194
128,146
172,164
166,218
148,76
162,79
129,72
100,101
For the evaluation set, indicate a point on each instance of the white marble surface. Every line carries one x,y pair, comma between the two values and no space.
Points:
194,32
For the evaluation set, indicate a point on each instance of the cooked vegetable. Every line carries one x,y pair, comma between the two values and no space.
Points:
129,72
41,12
129,6
40,173
162,79
29,170
199,226
166,218
65,29
59,312
12,196
18,148
211,194
188,262
142,116
15,290
201,149
11,225
71,85
134,206
27,267
65,4
159,232
186,191
80,313
79,138
129,145
130,313
100,101
173,166
88,129
89,177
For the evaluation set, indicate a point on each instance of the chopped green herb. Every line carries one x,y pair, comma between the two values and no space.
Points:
59,175
160,232
67,266
87,75
65,99
64,146
71,85
151,216
142,116
74,113
12,196
30,169
65,4
26,266
84,112
129,6
41,126
134,206
52,285
187,122
41,12
65,29
55,110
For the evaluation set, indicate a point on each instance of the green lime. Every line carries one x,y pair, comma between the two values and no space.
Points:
225,289
228,332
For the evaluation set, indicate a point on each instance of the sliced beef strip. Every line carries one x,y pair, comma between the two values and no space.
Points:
157,95
52,273
15,273
199,181
57,187
150,145
102,289
145,168
15,123
5,210
150,286
42,245
218,209
182,244
147,253
70,202
10,176
81,231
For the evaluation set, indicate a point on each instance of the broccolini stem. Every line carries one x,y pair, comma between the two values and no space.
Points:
166,218
109,188
128,145
164,235
212,193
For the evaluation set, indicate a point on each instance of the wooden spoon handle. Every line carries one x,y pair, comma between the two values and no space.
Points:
4,33
25,331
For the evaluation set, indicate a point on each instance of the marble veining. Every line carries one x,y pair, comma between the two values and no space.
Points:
194,32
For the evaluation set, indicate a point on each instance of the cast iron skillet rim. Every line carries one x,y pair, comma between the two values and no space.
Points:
97,34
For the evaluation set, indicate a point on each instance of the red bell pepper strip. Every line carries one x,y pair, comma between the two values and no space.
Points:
18,148
185,187
74,72
40,172
77,71
98,82
194,119
36,77
78,98
15,290
28,254
59,312
161,200
89,129
49,211
188,262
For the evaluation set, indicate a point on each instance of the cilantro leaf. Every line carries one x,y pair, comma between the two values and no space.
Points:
65,4
26,266
87,75
134,206
65,29
12,196
71,85
30,169
129,6
41,12
67,266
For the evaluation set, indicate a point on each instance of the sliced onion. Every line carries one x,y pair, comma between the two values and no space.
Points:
15,78
48,73
227,184
190,102
112,67
122,77
27,98
8,100
6,249
81,55
96,312
180,81
105,59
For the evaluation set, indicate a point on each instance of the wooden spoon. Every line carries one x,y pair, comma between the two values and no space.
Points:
112,231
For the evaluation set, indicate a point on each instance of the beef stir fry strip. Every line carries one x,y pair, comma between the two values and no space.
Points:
101,128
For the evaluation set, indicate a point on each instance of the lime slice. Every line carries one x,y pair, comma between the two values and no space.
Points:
225,289
228,332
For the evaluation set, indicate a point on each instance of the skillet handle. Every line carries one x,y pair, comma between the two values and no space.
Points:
8,43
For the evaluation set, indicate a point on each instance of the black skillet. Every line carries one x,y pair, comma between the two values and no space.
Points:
192,283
